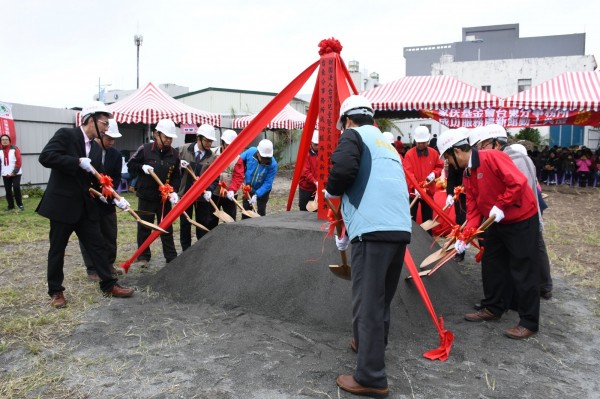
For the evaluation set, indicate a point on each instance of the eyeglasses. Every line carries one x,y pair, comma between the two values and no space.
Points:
105,123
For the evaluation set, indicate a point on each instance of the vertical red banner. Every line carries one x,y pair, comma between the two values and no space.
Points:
329,108
7,124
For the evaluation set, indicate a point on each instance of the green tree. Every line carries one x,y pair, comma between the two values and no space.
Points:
529,134
387,125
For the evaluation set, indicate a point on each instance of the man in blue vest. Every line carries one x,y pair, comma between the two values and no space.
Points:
367,174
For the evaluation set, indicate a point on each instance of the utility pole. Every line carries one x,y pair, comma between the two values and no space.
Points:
100,90
137,40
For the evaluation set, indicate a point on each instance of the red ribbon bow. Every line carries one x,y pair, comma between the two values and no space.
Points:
458,190
247,189
330,45
222,189
165,190
106,183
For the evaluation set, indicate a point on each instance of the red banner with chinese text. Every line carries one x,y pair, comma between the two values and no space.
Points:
511,117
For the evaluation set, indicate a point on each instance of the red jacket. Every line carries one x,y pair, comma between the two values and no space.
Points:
494,180
309,172
421,166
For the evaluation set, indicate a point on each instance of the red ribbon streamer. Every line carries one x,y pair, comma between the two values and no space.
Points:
165,190
256,125
222,189
446,337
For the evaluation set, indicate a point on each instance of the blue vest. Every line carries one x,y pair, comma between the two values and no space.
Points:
378,198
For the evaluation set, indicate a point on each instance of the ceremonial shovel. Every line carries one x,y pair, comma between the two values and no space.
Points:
250,214
343,271
439,254
430,224
452,251
313,205
149,225
222,215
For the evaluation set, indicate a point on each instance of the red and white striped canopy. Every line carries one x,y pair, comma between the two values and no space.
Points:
151,104
288,118
572,91
428,93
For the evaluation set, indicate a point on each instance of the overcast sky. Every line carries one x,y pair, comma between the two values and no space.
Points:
54,52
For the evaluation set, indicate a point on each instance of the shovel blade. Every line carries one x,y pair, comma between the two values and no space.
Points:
250,214
224,216
152,226
429,224
341,271
437,255
312,206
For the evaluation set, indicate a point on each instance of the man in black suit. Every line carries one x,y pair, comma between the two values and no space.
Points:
70,154
112,162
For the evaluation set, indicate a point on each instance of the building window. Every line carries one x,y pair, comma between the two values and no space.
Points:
524,84
487,88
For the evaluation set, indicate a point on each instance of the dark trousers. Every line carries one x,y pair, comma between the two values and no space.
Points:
511,269
148,210
201,212
545,277
12,184
261,205
426,211
89,234
460,209
304,197
376,268
227,205
108,227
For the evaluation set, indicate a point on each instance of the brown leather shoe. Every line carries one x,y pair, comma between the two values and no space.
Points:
353,346
519,332
481,315
93,276
58,300
349,384
119,292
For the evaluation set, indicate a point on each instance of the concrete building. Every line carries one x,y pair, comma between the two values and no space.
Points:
497,60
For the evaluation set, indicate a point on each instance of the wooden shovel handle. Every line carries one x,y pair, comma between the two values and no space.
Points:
156,178
112,190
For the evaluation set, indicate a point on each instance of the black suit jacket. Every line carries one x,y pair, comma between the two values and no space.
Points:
67,193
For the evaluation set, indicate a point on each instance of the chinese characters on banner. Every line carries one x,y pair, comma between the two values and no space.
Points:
188,128
7,124
328,134
511,117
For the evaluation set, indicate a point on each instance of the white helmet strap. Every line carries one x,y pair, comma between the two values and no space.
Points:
360,111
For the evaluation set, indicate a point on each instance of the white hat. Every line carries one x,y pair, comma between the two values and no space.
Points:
520,148
315,137
421,134
449,139
166,127
95,107
207,131
113,129
228,136
389,137
265,148
354,105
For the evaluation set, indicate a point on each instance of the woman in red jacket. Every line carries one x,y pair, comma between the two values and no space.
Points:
11,173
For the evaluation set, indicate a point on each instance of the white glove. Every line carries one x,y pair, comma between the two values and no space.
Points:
342,243
173,198
147,169
86,164
449,200
461,247
417,194
123,204
430,177
230,195
207,196
328,196
184,164
498,213
253,200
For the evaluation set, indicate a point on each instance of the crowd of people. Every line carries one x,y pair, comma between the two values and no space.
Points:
497,181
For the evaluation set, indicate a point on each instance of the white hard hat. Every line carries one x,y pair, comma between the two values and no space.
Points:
315,137
389,137
421,134
354,105
475,135
265,148
449,139
166,127
113,129
493,131
228,136
94,108
520,148
207,131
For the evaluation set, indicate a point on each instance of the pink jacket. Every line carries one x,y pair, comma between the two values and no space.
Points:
583,165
